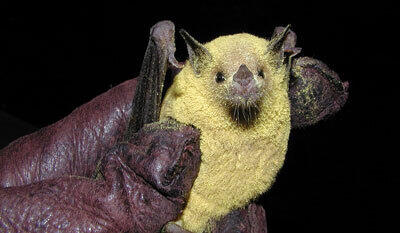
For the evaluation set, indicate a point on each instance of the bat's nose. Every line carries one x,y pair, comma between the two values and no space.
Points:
243,76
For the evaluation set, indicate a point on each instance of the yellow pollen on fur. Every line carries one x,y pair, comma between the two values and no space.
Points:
238,163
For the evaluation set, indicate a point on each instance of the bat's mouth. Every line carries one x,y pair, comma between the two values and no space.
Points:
244,102
244,115
249,92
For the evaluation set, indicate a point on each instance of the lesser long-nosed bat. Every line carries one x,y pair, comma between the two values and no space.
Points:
235,89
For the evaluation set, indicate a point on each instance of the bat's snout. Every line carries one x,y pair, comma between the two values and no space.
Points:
243,76
244,85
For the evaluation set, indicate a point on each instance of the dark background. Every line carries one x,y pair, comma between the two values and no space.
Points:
339,174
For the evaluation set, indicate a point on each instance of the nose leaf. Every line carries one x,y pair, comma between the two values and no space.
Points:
243,76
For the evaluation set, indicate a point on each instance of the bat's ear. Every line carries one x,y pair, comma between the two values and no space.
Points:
282,45
277,41
315,91
199,56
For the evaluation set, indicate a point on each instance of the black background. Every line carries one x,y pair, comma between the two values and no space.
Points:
339,173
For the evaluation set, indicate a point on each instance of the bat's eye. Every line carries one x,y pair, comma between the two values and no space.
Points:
261,73
219,78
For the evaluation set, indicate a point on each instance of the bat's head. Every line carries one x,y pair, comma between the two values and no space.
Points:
240,70
246,78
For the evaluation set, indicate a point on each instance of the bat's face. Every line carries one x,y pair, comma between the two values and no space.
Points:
235,79
239,74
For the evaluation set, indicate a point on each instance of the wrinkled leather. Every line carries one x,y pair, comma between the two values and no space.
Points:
251,219
125,201
72,145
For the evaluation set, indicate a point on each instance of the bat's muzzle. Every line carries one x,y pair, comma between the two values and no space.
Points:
244,90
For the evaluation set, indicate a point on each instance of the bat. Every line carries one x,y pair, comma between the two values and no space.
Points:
245,93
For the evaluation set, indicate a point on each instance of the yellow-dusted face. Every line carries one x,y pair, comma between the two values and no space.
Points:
238,75
236,92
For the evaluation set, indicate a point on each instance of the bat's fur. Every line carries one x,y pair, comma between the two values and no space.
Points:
243,141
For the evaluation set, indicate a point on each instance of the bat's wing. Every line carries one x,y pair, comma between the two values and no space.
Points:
158,58
315,91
